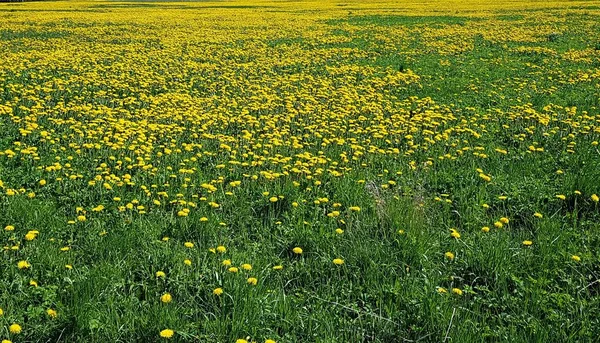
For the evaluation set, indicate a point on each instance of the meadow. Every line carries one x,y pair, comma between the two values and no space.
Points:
300,171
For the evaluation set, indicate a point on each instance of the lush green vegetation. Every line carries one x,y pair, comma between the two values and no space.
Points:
300,172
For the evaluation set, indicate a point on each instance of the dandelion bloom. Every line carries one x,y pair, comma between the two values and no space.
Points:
188,244
23,265
241,340
167,333
504,220
218,291
52,313
15,329
247,266
233,269
252,281
187,262
270,341
576,258
538,215
442,290
278,267
527,243
449,255
160,274
166,298
226,263
221,249
297,250
454,234
595,198
457,291
273,199
354,209
485,229
561,196
338,261
339,231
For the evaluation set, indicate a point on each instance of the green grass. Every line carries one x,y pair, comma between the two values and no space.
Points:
387,288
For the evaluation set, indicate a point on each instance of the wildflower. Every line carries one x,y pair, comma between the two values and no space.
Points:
538,215
449,255
1,312
226,263
246,266
278,267
273,199
33,283
454,234
457,291
504,220
160,274
23,265
252,281
187,262
527,243
9,228
297,250
595,198
561,196
354,209
166,298
30,237
486,206
270,341
233,269
576,258
188,244
339,231
15,329
338,261
442,290
241,341
51,313
218,291
65,249
485,229
502,197
81,218
68,266
486,178
221,249
167,333
498,225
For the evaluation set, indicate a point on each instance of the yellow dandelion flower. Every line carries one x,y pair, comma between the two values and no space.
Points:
218,291
252,281
15,329
449,255
167,333
297,251
338,261
527,243
166,298
457,291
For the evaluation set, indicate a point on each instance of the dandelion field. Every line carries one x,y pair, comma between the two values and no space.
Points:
300,171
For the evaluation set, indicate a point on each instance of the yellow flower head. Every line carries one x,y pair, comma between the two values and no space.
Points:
167,333
218,291
449,255
15,329
23,265
297,250
457,291
252,281
527,243
52,313
338,261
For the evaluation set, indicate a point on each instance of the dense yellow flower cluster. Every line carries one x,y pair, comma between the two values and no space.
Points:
200,123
